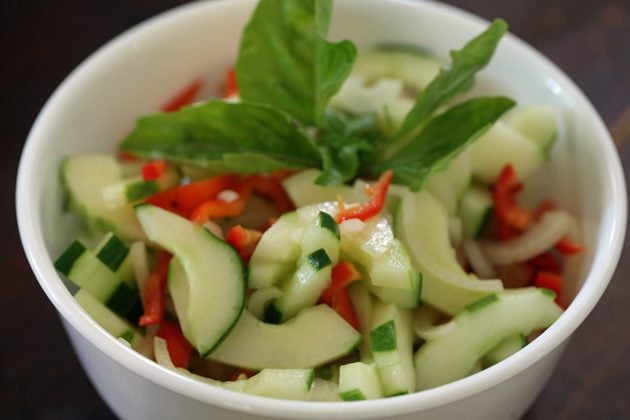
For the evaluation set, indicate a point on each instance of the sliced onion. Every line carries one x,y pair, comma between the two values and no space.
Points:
554,225
259,300
478,261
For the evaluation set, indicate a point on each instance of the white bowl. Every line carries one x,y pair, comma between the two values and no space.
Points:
136,72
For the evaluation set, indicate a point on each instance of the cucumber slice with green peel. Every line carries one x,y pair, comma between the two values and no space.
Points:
114,253
206,277
303,190
479,329
502,145
288,384
408,299
135,189
359,381
504,349
475,210
449,185
538,123
323,390
106,318
319,253
84,269
415,68
422,224
317,335
85,177
277,252
391,342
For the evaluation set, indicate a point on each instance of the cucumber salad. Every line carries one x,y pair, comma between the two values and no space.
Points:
339,225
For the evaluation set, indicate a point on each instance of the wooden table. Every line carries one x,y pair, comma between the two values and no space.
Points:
43,41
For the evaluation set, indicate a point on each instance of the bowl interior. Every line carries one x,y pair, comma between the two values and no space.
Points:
138,71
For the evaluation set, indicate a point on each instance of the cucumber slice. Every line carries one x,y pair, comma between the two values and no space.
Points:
415,68
391,341
317,335
135,189
363,304
481,328
205,278
84,177
502,145
538,123
359,381
303,190
475,210
114,253
107,319
449,185
323,390
422,224
504,349
288,384
84,269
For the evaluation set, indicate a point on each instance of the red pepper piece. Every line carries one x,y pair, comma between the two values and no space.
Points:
153,170
179,349
568,247
217,208
509,215
125,156
231,88
342,304
545,262
243,240
377,193
549,280
184,97
272,189
343,274
155,290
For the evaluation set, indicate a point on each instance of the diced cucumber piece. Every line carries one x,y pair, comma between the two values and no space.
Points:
288,384
502,145
84,177
319,253
260,300
84,269
111,322
415,68
315,336
114,253
479,329
422,224
359,381
449,185
323,390
205,278
391,342
475,210
538,123
363,304
303,190
277,252
135,189
504,349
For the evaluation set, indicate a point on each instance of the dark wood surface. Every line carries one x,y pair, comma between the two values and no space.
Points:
42,41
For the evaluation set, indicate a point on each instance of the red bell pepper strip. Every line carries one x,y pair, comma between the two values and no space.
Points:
243,240
545,262
342,304
377,193
217,208
271,188
155,290
568,247
549,280
509,215
184,97
179,349
231,88
153,170
343,274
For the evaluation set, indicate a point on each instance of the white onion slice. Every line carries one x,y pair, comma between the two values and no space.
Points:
478,261
554,225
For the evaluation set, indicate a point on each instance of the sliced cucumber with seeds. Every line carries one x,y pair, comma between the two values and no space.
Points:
359,381
391,342
206,277
85,177
84,269
475,210
317,335
106,318
422,224
480,328
319,253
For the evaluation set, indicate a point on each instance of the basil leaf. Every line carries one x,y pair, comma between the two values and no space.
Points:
443,138
284,61
454,79
239,137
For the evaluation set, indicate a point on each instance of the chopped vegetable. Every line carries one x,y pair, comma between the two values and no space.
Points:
179,349
377,192
185,97
243,240
153,170
510,217
154,293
